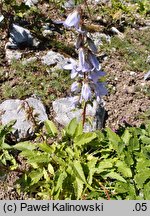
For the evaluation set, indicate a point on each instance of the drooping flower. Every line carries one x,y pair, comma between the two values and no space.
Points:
100,89
93,60
73,67
95,75
84,66
75,87
86,93
73,19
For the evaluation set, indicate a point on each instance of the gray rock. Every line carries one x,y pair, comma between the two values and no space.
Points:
54,59
18,110
65,111
20,36
116,31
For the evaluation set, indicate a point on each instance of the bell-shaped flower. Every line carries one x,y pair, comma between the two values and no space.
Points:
73,19
86,93
93,60
95,75
100,89
73,67
91,44
84,66
75,87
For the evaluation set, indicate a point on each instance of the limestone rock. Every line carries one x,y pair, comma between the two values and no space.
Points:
20,110
19,37
66,111
54,59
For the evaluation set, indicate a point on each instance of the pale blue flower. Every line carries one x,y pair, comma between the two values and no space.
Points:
73,67
93,60
100,89
75,87
73,19
95,75
84,66
86,93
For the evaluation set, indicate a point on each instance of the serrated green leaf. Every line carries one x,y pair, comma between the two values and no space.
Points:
35,175
124,169
105,164
84,138
24,146
47,148
28,154
60,180
71,127
78,187
145,140
141,177
114,139
70,151
91,166
126,137
142,162
41,158
78,171
50,127
128,188
134,143
116,176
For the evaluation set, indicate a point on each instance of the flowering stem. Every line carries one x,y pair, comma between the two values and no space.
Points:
84,114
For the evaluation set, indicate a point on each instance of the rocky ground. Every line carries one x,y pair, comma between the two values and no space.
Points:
124,55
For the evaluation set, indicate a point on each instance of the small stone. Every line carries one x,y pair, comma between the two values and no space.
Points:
116,31
132,73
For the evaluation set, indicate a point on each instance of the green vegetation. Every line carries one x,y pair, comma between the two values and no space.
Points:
72,164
